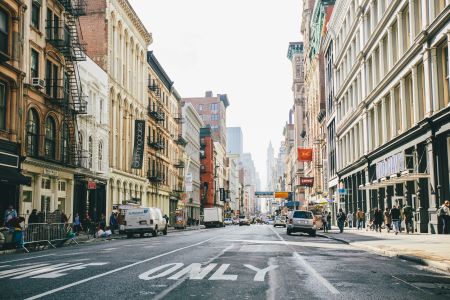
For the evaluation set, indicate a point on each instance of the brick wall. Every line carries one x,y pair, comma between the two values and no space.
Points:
95,32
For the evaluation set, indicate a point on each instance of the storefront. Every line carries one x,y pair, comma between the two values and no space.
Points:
51,188
90,197
10,177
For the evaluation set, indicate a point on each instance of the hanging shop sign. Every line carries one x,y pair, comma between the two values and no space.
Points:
264,194
305,154
188,182
91,185
391,165
307,181
139,139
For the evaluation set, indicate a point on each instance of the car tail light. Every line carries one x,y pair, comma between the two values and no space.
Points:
290,221
151,222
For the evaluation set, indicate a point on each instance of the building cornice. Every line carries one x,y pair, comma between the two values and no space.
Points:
131,14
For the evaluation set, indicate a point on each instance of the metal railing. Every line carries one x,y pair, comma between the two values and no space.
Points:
44,234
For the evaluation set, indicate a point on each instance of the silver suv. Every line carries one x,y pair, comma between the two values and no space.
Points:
301,221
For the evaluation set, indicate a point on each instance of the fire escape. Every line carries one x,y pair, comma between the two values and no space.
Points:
66,92
155,174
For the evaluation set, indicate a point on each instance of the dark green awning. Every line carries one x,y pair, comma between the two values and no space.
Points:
13,176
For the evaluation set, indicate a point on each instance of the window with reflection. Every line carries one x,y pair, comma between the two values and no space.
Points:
50,138
32,128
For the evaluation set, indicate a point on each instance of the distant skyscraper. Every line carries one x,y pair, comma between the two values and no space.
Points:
234,140
270,168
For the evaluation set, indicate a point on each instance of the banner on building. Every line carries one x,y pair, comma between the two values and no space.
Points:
222,194
305,154
284,195
91,185
307,181
188,182
139,142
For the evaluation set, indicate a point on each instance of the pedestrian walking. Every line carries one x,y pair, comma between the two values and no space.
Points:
329,221
112,221
395,217
408,218
102,222
378,219
387,219
77,224
350,219
359,218
341,217
86,224
324,221
167,220
444,214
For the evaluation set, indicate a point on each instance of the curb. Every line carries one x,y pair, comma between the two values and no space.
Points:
443,267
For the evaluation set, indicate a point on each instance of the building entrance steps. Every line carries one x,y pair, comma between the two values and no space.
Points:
429,250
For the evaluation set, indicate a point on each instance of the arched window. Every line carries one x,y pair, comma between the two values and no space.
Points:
100,156
32,133
65,143
50,138
90,152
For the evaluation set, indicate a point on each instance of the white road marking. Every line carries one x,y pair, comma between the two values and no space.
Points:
8,261
43,270
114,270
59,273
175,267
148,247
179,282
195,272
261,273
311,270
109,249
18,271
220,274
75,253
410,284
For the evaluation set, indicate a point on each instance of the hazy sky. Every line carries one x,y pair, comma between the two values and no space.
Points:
234,47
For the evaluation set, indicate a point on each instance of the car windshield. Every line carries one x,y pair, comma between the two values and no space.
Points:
302,215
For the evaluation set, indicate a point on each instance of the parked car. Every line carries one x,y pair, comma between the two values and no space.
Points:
243,220
269,222
228,221
142,220
301,221
236,221
280,221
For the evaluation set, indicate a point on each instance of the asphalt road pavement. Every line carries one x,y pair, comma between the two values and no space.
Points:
256,262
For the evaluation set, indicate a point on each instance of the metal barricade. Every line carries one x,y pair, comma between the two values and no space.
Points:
43,234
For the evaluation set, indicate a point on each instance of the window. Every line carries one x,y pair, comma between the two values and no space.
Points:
49,24
32,133
61,186
64,143
2,105
51,79
100,156
214,106
200,107
34,63
4,33
214,117
35,14
90,151
50,140
45,184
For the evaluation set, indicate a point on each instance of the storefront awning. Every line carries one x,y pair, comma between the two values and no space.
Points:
13,176
394,179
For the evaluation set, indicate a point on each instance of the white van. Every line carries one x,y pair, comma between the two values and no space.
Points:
142,220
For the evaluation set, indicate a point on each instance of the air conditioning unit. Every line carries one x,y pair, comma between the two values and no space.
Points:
37,82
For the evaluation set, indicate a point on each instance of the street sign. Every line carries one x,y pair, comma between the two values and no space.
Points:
264,194
282,195
307,181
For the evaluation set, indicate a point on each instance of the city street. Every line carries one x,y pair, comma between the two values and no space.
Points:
256,262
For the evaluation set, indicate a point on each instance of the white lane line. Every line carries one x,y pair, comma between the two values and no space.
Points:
8,261
410,284
114,271
309,268
172,287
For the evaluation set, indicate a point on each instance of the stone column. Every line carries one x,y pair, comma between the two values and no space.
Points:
425,6
415,96
434,79
384,128
428,85
412,21
70,199
403,105
376,131
400,35
433,190
366,131
390,57
381,57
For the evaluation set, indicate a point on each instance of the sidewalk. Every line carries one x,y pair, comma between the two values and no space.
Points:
426,249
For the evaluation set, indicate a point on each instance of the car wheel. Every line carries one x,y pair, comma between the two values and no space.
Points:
288,232
129,235
312,233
